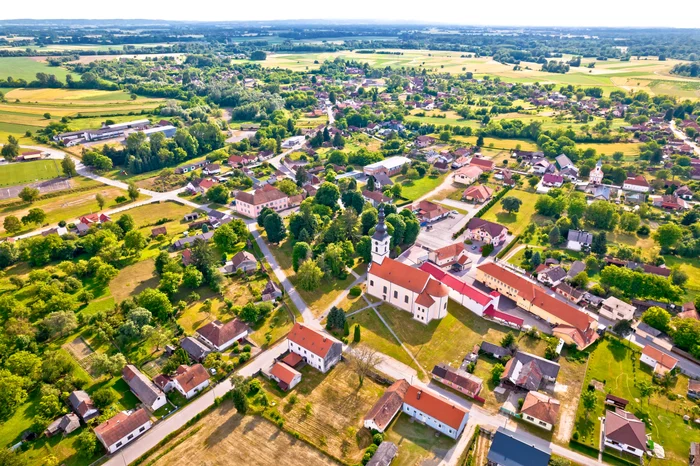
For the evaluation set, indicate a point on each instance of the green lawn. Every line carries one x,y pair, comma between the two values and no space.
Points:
417,442
28,172
617,366
26,68
692,268
515,222
413,189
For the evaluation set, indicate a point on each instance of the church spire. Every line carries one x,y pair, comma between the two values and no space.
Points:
380,239
380,230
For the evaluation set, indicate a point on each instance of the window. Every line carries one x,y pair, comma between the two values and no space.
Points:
405,299
371,283
385,289
396,294
130,436
543,423
142,429
119,444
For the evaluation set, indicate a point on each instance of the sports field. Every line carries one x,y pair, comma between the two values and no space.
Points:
28,172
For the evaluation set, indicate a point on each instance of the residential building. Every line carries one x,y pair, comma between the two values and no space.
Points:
271,291
122,429
436,412
457,379
390,166
285,376
478,193
485,164
385,409
408,288
576,268
578,240
509,449
157,231
319,350
447,256
552,181
495,351
428,212
637,184
375,198
195,348
468,175
190,380
220,336
569,292
529,372
551,276
385,454
184,242
694,457
684,192
145,390
243,260
95,219
424,141
65,424
540,410
623,432
616,401
616,309
381,180
251,204
660,362
211,169
190,167
200,186
486,232
693,389
564,162
82,405
542,166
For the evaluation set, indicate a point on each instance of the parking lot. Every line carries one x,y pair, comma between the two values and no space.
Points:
48,186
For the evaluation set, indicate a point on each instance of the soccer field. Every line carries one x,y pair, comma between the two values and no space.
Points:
28,172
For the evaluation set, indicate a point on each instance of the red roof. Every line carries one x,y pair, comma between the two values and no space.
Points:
405,276
487,164
456,284
316,342
284,373
292,359
435,406
493,312
638,180
660,357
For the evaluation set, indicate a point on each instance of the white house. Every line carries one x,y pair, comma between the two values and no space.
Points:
540,410
622,431
293,141
433,410
251,204
468,175
448,255
387,407
285,376
615,309
659,361
390,166
401,285
487,232
319,350
578,239
191,380
122,429
220,336
145,390
636,184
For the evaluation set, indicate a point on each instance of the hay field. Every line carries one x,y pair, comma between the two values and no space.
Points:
26,68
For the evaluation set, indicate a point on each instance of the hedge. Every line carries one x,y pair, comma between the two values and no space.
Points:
617,460
583,448
508,247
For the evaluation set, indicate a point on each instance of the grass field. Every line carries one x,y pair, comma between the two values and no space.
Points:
26,68
518,221
133,279
28,172
414,189
417,442
618,367
226,437
692,268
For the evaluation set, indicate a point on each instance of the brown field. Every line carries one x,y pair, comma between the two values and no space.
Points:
134,279
224,437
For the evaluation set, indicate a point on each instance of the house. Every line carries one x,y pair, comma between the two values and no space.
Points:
95,219
616,309
564,162
509,449
211,169
484,164
390,166
576,268
659,361
578,240
596,175
408,288
540,410
184,242
694,457
191,167
145,390
694,389
424,141
385,409
684,193
66,424
468,175
487,232
529,372
428,212
122,429
616,401
569,292
200,186
195,348
449,255
551,276
688,311
457,379
495,351
243,260
190,380
552,181
155,232
285,376
250,204
570,173
542,166
318,350
385,454
669,202
381,180
375,198
82,405
478,193
623,432
435,411
637,184
271,291
220,336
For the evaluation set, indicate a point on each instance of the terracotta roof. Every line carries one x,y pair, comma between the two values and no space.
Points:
456,284
81,402
191,376
623,427
316,342
424,299
638,180
461,378
159,231
452,250
407,277
219,333
121,425
284,373
376,196
470,171
388,405
667,361
292,359
241,257
261,196
487,164
435,406
481,192
542,407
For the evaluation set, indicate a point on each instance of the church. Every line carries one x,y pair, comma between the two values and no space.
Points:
402,286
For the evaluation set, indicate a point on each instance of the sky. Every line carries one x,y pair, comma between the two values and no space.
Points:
591,13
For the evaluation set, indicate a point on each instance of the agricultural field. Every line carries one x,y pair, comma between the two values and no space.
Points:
13,174
27,68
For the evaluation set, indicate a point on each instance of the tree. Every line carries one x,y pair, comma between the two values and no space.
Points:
630,222
113,365
12,458
192,278
134,241
554,235
12,224
100,200
225,238
335,319
356,335
12,392
133,191
601,214
657,317
328,194
667,235
158,337
599,244
532,181
309,275
240,401
300,253
86,444
580,280
364,361
60,323
496,372
104,397
623,327
678,277
371,183
274,228
511,204
68,166
35,215
508,340
10,151
218,193
589,401
29,194
24,364
170,282
646,389
126,223
155,301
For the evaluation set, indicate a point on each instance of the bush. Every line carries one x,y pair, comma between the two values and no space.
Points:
575,437
377,438
355,291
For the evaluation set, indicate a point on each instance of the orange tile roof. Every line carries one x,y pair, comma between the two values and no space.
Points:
407,277
450,251
436,407
191,376
667,361
283,372
316,342
540,406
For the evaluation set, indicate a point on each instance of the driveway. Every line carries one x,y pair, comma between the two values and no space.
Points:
440,233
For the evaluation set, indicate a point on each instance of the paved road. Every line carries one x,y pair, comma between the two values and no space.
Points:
681,135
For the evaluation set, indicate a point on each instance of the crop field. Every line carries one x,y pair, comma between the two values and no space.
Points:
26,68
28,172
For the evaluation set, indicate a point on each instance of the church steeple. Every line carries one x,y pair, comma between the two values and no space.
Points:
380,239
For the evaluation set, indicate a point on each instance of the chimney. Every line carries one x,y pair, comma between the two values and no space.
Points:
419,394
